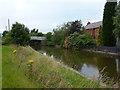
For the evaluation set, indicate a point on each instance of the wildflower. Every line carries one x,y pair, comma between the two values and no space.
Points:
14,51
30,61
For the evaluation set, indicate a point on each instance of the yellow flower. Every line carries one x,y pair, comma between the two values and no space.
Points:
14,51
30,61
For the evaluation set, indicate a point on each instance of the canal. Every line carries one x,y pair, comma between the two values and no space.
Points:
92,65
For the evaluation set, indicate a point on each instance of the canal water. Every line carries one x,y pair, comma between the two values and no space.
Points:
89,64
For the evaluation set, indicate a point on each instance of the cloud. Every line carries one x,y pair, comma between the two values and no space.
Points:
46,14
75,1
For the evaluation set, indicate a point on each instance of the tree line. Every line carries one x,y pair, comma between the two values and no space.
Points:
72,34
19,34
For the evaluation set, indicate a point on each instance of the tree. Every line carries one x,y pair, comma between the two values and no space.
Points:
40,34
6,39
60,33
34,31
108,27
5,33
117,25
20,34
76,27
99,38
48,40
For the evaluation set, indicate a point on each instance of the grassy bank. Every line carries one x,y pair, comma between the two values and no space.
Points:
44,72
0,65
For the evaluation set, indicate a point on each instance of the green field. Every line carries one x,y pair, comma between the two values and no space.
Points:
44,72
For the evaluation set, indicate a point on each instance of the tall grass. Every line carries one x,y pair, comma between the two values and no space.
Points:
46,73
110,82
0,65
13,76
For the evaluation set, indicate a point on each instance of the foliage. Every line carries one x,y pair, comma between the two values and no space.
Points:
48,40
7,40
63,31
35,32
5,33
59,34
76,26
20,34
78,41
108,27
40,34
99,38
117,22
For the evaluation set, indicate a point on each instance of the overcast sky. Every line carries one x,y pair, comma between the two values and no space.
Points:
47,14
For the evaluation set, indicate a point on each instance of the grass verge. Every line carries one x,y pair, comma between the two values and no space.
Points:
0,65
44,73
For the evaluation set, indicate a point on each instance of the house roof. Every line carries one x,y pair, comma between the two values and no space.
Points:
93,25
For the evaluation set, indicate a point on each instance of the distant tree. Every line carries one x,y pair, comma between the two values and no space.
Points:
49,36
108,27
99,38
117,25
57,37
60,33
76,26
20,34
6,40
5,33
40,34
34,31
48,40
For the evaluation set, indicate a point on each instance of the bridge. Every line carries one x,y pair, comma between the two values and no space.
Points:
37,38
37,41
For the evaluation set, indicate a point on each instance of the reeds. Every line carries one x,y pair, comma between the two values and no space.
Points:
107,81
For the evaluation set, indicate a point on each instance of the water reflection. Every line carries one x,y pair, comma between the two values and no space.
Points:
89,64
89,71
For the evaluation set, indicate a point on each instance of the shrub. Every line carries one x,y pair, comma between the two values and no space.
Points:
80,41
6,40
20,34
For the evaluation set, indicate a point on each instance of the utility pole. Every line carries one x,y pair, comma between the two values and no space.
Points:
8,25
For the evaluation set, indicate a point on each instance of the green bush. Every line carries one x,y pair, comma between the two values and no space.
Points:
99,41
20,34
6,40
48,40
79,41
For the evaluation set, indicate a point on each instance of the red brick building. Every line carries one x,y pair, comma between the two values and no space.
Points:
93,28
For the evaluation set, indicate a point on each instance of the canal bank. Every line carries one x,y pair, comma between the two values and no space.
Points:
46,73
104,50
88,64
